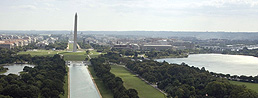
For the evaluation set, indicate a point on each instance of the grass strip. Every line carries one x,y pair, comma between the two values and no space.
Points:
253,86
132,81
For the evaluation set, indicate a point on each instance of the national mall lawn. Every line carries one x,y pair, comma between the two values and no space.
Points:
132,81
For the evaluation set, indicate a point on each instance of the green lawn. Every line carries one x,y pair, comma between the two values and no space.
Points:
70,46
41,52
105,92
74,57
94,53
253,86
65,85
71,56
132,81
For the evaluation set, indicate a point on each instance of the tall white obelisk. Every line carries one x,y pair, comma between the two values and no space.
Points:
75,34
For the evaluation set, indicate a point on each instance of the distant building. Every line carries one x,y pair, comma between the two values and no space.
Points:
11,43
7,45
42,44
156,47
183,45
127,46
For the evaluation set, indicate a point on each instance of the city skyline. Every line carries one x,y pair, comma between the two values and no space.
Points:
118,15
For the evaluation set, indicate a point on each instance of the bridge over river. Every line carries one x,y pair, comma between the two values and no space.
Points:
81,84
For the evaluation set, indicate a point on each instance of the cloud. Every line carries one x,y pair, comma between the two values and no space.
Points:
30,7
182,7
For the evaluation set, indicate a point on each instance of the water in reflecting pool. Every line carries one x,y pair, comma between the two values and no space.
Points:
81,84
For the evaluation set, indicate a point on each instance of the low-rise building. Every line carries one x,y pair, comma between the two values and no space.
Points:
7,45
127,46
156,47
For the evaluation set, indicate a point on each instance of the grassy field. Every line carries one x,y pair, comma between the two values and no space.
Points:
253,86
72,56
132,81
70,46
105,93
94,54
65,86
41,52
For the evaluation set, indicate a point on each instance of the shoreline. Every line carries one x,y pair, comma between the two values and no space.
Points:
165,57
94,82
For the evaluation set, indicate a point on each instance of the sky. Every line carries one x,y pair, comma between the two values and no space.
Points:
130,15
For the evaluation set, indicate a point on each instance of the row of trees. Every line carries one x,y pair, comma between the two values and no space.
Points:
115,84
100,48
10,56
84,46
46,79
57,45
2,69
183,81
166,53
245,51
241,78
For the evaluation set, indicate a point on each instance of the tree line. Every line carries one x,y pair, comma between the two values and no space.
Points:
100,48
2,69
245,51
183,81
57,46
10,56
84,46
115,84
45,80
241,78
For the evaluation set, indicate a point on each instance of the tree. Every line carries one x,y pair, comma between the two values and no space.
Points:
216,89
132,93
87,52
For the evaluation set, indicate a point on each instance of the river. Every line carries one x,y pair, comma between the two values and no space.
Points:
15,68
220,63
81,84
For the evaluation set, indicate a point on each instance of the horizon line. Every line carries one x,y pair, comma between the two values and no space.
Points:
142,30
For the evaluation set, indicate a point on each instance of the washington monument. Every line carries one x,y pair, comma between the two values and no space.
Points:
75,34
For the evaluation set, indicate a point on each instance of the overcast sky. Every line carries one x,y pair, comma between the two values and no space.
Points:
128,15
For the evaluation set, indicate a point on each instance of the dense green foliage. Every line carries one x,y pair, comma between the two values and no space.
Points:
183,81
46,79
104,91
245,51
57,46
110,80
241,78
100,48
9,56
166,53
84,46
2,69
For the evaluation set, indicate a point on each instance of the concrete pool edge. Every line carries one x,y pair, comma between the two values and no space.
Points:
94,82
68,76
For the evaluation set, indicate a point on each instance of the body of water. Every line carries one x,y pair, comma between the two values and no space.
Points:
15,68
220,63
81,84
